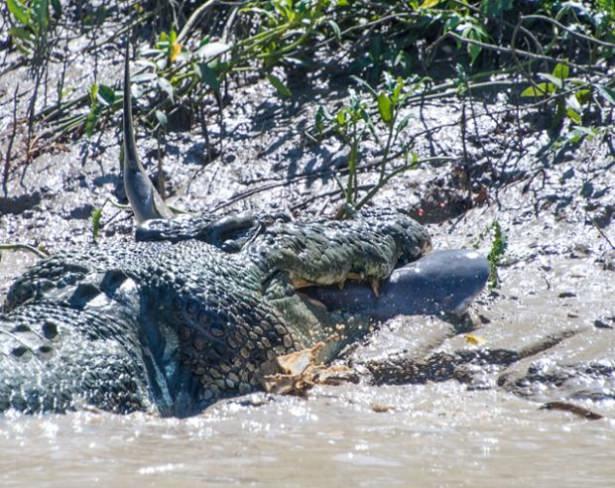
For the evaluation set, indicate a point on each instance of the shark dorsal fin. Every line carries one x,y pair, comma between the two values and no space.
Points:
145,201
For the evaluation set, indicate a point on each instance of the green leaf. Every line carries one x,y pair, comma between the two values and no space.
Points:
587,131
364,84
341,118
540,90
403,123
161,117
476,33
209,77
573,115
106,95
399,86
573,103
144,77
553,79
495,8
583,95
607,93
210,50
57,7
282,90
96,217
336,29
94,93
412,159
19,11
41,14
474,52
165,86
319,119
24,35
430,3
92,117
385,107
578,132
561,71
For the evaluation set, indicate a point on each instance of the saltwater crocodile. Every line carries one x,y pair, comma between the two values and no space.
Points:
192,310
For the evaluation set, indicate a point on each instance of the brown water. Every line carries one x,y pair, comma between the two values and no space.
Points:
436,435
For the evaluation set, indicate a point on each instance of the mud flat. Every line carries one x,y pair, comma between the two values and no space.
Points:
489,404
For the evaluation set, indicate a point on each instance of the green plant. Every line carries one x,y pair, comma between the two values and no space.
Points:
570,95
96,218
499,244
102,97
31,21
373,116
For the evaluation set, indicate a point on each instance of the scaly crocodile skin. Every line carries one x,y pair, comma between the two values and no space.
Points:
174,324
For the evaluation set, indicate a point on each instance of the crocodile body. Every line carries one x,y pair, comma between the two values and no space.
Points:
173,326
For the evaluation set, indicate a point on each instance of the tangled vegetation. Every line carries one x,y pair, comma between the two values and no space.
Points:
550,56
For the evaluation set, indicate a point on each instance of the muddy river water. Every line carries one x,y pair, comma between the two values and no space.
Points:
434,435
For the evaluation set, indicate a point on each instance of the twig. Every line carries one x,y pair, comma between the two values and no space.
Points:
568,29
9,149
603,234
23,247
527,54
193,18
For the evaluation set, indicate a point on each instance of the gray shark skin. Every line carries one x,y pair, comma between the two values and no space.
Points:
440,282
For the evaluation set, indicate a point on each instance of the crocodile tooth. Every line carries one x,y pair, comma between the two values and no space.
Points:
375,284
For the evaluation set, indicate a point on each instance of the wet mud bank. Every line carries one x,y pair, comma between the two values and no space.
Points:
545,334
553,310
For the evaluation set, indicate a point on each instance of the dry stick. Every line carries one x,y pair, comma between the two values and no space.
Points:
23,247
568,29
226,31
193,18
603,234
521,67
373,23
527,54
31,109
327,171
123,30
7,161
377,187
464,145
327,194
